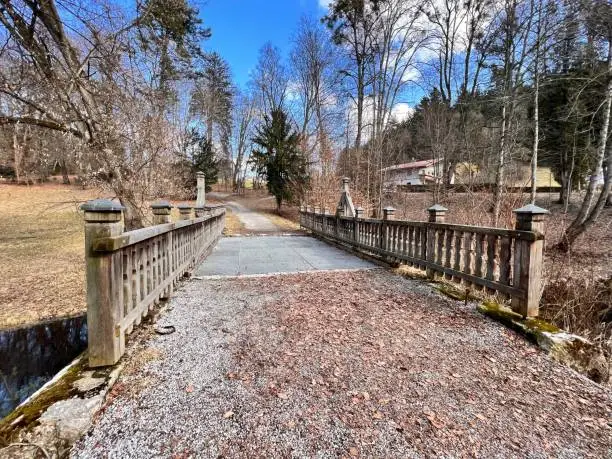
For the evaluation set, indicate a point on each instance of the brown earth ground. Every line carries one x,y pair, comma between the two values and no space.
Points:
41,252
42,268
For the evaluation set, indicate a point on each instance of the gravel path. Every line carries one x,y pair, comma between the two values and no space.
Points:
359,364
253,221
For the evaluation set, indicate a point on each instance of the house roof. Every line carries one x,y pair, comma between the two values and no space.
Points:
413,165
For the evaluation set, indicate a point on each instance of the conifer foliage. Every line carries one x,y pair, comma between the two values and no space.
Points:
278,159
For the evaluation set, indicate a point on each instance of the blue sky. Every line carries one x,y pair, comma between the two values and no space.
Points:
241,27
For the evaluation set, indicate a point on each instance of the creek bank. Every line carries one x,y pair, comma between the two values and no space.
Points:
31,355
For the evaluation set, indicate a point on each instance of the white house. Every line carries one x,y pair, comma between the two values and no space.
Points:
423,172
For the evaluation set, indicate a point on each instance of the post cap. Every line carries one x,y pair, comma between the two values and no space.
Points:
200,174
345,180
184,207
102,205
161,205
531,209
199,208
437,208
389,209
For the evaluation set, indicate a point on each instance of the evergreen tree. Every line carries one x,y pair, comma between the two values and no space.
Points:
173,30
279,159
202,158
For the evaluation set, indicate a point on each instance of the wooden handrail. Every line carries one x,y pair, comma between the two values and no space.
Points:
128,273
508,261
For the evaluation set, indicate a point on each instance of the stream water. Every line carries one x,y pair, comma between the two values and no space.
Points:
30,356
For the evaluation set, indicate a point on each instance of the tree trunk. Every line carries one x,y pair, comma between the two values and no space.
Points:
65,177
536,120
588,214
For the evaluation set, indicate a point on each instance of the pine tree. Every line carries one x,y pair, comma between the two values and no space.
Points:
279,159
202,157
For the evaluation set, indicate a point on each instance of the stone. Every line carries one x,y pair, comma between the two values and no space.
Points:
71,418
88,383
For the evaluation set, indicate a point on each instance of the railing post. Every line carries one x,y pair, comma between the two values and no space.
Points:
201,188
104,283
388,214
200,211
528,260
437,214
358,215
161,212
339,213
184,211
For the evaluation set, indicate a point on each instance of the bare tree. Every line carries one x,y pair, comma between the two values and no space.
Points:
243,118
313,65
270,79
97,89
600,26
353,22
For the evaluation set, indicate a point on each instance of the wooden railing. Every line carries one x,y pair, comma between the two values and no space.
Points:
129,272
500,260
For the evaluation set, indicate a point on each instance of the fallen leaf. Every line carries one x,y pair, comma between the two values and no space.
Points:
189,389
282,396
377,415
228,414
354,452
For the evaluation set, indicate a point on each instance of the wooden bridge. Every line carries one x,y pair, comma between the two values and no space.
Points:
129,272
290,345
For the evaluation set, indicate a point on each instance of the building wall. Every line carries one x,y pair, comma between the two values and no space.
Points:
400,177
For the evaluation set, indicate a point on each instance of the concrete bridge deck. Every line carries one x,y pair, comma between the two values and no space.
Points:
235,256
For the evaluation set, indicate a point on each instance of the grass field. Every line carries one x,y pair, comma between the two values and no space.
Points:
41,252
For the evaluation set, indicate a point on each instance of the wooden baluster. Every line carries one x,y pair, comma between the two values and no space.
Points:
440,247
449,248
469,242
505,253
411,241
424,243
491,255
136,291
478,261
458,254
127,281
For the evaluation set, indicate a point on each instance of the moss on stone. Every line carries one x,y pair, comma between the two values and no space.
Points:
572,350
26,416
455,292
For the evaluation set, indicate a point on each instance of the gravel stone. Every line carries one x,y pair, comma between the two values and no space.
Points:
365,364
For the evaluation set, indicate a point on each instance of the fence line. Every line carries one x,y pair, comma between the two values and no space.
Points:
129,272
501,260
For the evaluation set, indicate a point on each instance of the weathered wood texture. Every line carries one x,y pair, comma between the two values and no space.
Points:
128,273
500,260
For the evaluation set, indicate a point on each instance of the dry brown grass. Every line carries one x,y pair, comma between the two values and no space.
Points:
41,252
233,225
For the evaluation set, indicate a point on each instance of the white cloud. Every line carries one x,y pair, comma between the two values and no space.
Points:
401,111
324,4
